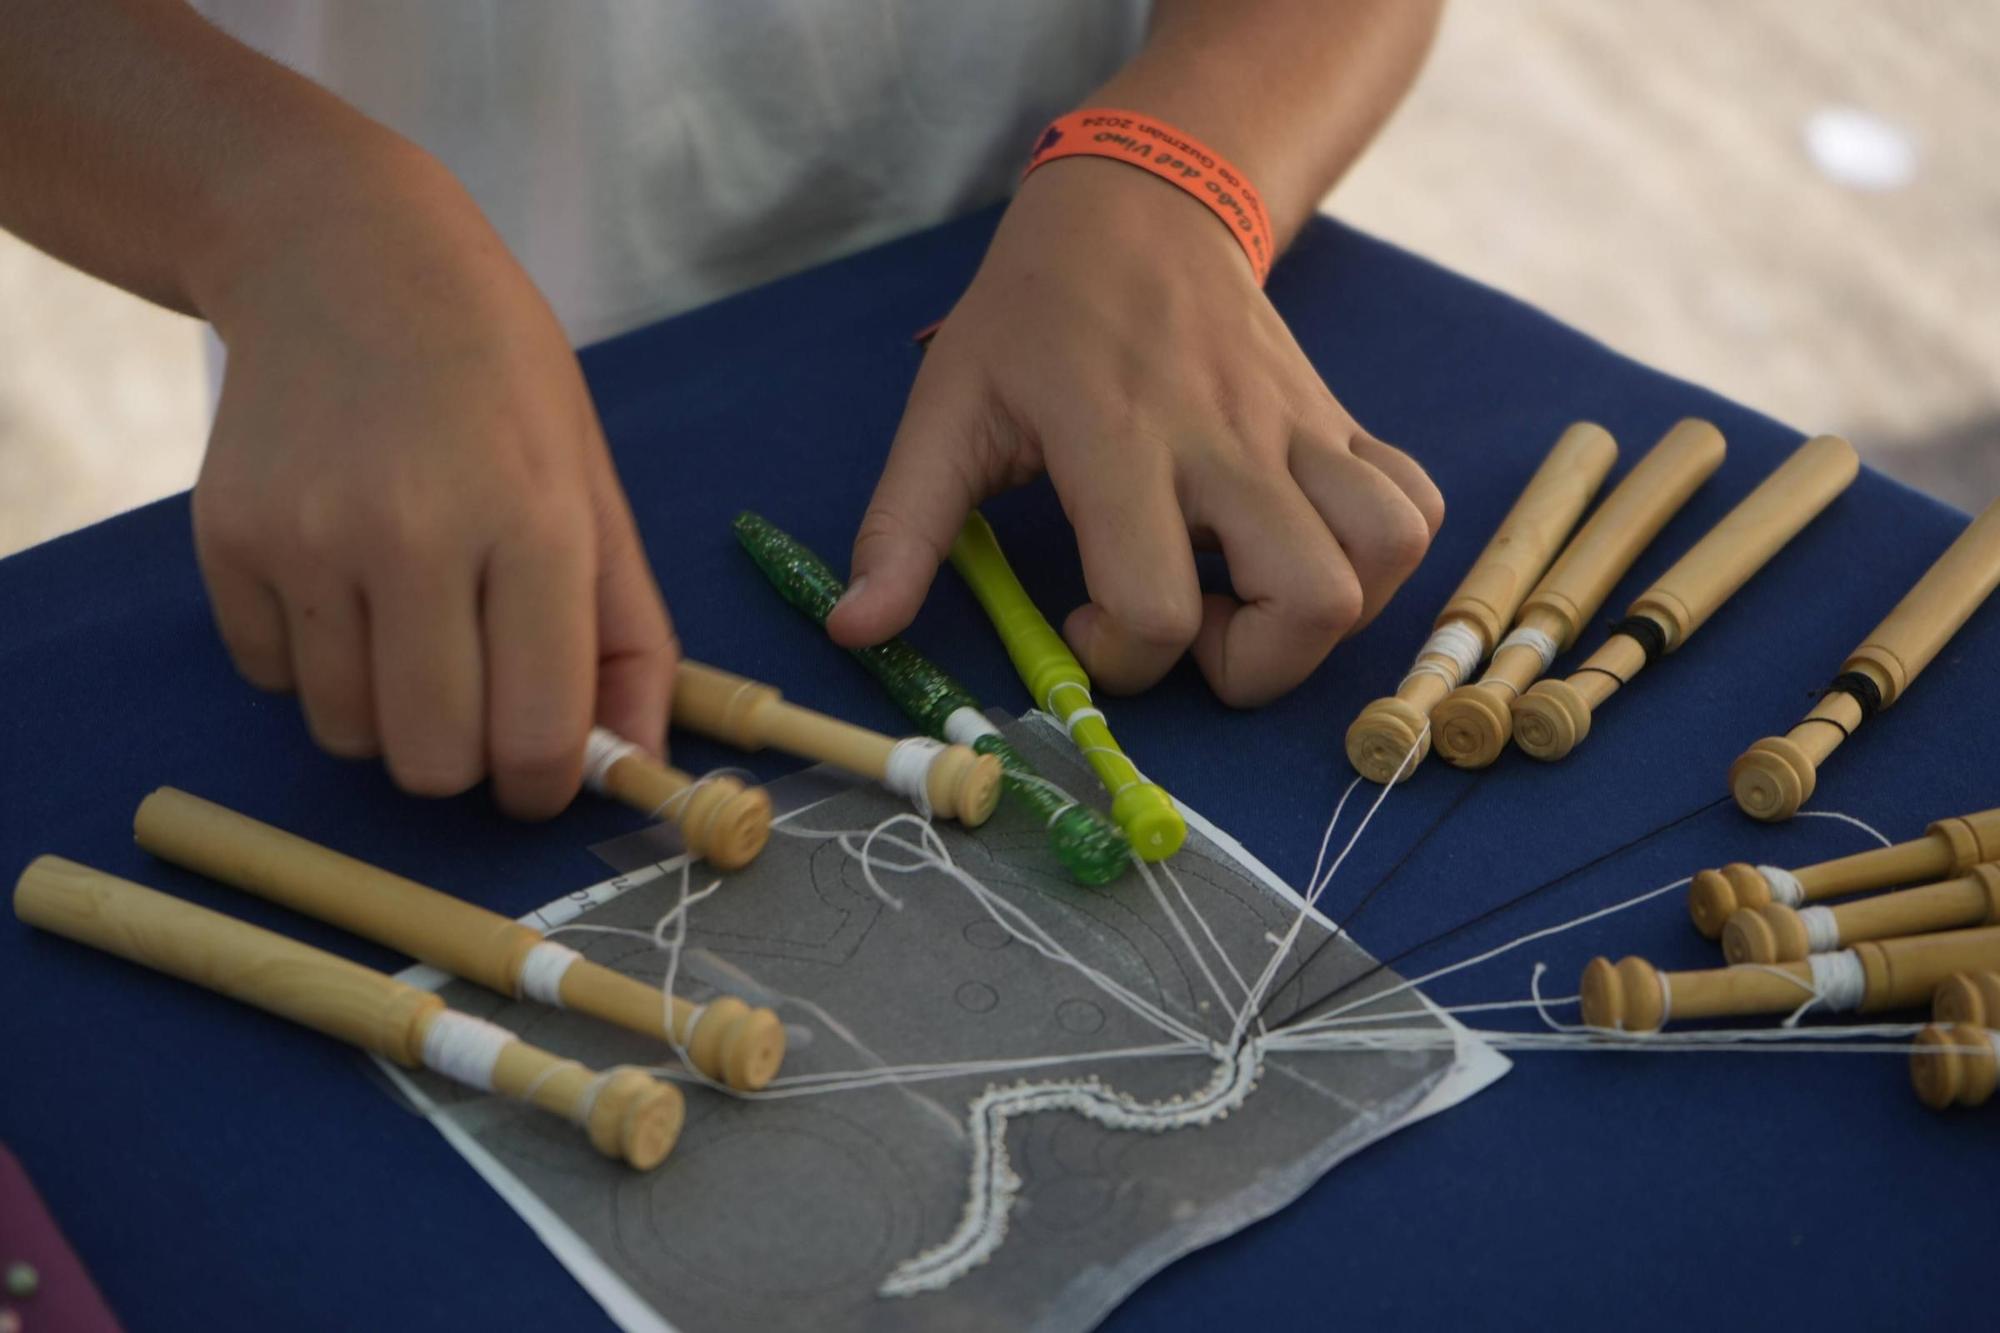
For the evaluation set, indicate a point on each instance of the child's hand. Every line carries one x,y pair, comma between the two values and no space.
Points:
407,512
1115,336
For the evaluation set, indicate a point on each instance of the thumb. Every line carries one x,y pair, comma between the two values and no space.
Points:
939,467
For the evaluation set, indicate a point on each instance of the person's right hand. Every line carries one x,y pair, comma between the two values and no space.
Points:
407,512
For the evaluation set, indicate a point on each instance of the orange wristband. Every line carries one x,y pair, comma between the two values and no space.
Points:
1155,146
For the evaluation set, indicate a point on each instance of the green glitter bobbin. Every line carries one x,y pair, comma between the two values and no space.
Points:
1090,846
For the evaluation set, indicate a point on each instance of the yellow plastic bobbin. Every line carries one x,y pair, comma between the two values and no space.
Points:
1057,681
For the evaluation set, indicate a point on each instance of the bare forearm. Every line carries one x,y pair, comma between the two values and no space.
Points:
141,144
1291,91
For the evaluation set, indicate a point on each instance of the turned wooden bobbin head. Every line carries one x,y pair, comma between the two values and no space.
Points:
1771,933
744,1046
1551,719
964,785
1772,779
1473,724
635,1117
1968,997
1957,1065
1626,995
1717,895
1380,741
726,823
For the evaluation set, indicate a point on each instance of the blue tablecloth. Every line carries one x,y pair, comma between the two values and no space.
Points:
218,1169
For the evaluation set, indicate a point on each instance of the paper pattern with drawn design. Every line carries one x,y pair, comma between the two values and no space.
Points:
792,1213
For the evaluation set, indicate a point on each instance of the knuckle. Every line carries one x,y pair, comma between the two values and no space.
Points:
1430,503
222,527
885,525
1157,621
320,526
1329,604
393,529
551,527
1407,538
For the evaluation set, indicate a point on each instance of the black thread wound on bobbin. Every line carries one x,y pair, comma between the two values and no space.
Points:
1860,686
1646,632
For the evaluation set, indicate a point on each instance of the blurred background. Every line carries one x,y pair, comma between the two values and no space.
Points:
1793,202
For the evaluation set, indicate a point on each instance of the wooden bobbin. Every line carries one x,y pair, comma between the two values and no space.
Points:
626,1114
1948,847
1635,996
1775,933
720,820
1553,717
726,1039
1968,997
961,785
1776,776
1382,738
1473,724
1955,1065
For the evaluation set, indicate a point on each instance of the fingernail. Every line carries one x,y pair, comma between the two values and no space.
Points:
853,591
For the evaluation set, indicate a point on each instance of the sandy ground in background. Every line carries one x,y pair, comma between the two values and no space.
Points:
1637,170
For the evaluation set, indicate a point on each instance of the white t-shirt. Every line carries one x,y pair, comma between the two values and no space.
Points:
641,158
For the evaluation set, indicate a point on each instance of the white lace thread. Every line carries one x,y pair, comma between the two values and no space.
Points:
1838,979
600,752
908,770
542,972
1822,929
1666,999
464,1049
1459,644
966,725
692,1021
1784,885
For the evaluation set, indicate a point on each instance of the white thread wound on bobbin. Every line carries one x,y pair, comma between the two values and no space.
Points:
966,725
1784,885
542,969
1666,999
1456,641
600,752
1822,929
1993,1035
1838,980
1078,715
464,1049
908,770
1529,637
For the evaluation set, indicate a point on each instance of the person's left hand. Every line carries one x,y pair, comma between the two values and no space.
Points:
1114,336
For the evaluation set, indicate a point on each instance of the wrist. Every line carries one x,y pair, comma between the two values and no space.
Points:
1136,146
302,204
